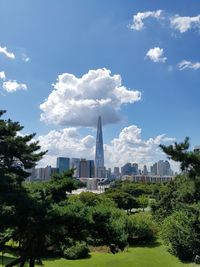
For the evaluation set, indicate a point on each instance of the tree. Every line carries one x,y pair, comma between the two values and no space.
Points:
178,203
45,222
122,199
189,160
141,228
18,153
143,201
181,231
109,227
35,215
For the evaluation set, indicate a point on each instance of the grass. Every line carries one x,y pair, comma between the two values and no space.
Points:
156,256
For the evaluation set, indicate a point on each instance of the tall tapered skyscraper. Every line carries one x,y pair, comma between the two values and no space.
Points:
99,154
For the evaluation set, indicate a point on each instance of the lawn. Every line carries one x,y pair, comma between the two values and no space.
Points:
135,257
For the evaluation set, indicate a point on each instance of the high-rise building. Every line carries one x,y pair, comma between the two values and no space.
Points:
99,154
83,170
145,170
75,164
161,168
135,168
154,169
127,169
90,168
108,174
116,172
62,164
42,173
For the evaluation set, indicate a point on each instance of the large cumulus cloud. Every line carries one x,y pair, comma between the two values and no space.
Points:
79,101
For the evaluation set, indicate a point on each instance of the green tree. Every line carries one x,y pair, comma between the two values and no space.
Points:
189,160
35,215
18,153
109,227
143,201
122,199
45,222
141,228
181,232
178,203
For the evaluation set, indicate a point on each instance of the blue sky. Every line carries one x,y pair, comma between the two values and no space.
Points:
49,38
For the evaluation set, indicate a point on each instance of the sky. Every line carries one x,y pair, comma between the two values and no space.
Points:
136,63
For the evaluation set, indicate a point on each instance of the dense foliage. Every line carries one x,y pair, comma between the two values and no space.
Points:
141,228
178,203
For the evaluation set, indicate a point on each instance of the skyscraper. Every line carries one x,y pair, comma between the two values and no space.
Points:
99,154
75,164
62,164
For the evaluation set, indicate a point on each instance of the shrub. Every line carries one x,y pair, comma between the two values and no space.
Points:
141,227
79,250
109,227
180,232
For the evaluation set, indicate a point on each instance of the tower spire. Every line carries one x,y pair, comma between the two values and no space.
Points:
99,153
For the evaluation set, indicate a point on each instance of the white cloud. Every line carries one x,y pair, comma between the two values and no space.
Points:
2,75
138,23
127,147
5,51
130,147
156,54
184,64
67,142
79,101
25,57
183,24
13,86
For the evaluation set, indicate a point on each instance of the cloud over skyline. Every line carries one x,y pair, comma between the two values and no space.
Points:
79,101
68,143
127,147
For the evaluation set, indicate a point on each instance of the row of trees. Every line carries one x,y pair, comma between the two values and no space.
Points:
131,196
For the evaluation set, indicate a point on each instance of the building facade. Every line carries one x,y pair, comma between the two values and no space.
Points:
63,164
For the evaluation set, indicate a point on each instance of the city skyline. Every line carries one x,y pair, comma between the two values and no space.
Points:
136,63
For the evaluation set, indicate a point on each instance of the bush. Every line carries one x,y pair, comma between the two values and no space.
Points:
109,227
79,250
141,227
180,232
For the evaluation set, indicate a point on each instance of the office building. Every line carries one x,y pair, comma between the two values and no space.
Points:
75,164
83,170
145,170
90,169
116,172
161,168
63,164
